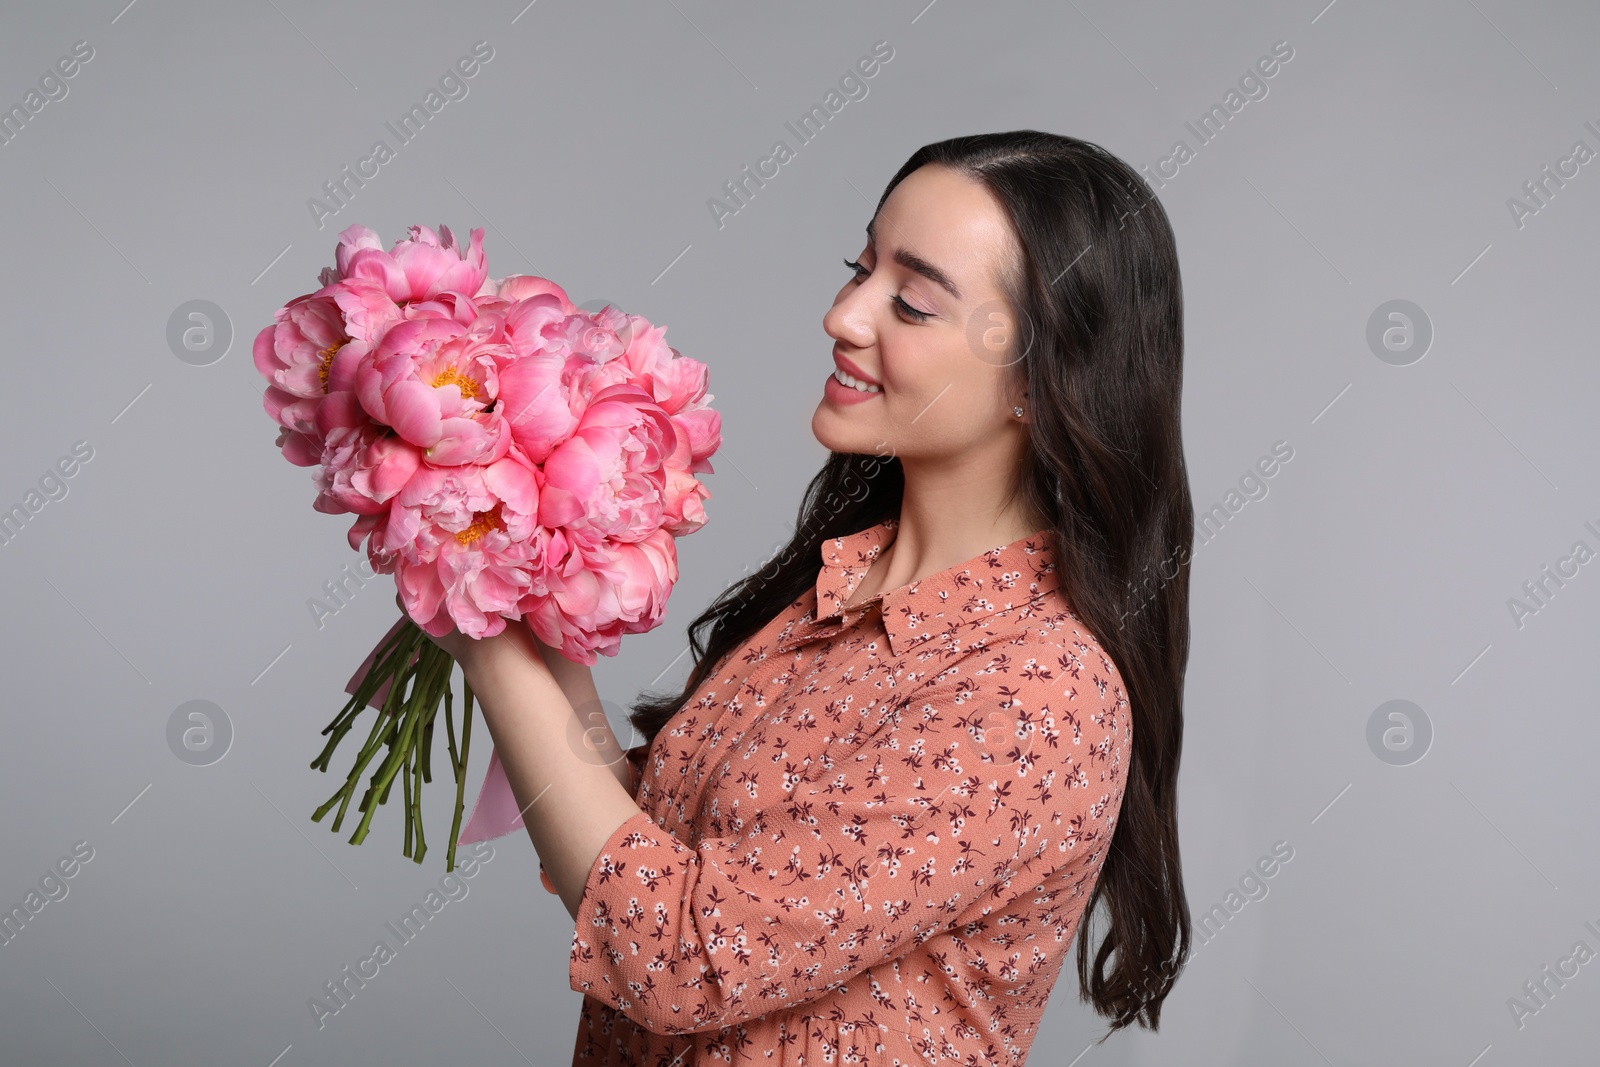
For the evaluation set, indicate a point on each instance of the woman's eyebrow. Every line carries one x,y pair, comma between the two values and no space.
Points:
913,262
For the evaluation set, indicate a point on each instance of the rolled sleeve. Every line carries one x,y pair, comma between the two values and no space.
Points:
613,958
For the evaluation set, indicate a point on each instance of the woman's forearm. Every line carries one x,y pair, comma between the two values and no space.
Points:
571,802
593,730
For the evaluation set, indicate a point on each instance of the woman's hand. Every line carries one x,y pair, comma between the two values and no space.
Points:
473,654
589,735
575,679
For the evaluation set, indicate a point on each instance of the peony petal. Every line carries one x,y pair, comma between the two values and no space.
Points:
412,409
513,482
573,467
559,506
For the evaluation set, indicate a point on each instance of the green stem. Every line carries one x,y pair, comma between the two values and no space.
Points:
405,779
460,768
427,742
397,651
405,736
419,675
416,799
348,789
382,732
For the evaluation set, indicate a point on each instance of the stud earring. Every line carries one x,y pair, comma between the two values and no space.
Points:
1017,411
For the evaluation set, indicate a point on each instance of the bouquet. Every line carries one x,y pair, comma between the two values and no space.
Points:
510,458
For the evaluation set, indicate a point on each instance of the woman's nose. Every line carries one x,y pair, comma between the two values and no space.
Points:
848,320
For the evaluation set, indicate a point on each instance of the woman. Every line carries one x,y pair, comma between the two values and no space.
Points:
870,825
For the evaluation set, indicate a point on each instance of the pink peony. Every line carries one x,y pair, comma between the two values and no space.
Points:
505,454
517,287
465,540
298,355
682,493
607,479
436,382
310,354
564,359
598,594
674,382
420,267
363,468
703,428
538,405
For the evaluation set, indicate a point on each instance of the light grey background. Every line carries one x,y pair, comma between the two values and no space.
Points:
1378,566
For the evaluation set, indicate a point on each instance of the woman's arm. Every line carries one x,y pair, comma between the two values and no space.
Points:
577,682
594,729
571,801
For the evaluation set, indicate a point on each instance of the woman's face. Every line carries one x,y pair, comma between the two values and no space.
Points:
923,320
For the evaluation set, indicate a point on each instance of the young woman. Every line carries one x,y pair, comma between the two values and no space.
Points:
944,722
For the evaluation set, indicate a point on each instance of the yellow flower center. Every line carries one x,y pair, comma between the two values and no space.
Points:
451,376
327,355
482,523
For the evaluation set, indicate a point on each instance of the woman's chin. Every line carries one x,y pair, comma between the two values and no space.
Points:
825,428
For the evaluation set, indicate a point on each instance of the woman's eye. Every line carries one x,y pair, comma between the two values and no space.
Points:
904,307
913,312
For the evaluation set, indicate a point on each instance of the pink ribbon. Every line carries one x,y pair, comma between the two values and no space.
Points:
495,813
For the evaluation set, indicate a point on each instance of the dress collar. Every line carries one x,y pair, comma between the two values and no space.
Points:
994,580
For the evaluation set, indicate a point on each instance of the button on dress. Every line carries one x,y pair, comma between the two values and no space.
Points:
868,838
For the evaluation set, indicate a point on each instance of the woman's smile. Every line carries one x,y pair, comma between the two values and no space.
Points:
849,384
841,388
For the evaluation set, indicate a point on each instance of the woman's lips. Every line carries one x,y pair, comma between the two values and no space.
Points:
855,371
840,393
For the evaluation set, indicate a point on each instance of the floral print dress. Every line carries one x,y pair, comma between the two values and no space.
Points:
869,837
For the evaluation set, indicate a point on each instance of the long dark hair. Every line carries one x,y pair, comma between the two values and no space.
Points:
1099,351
